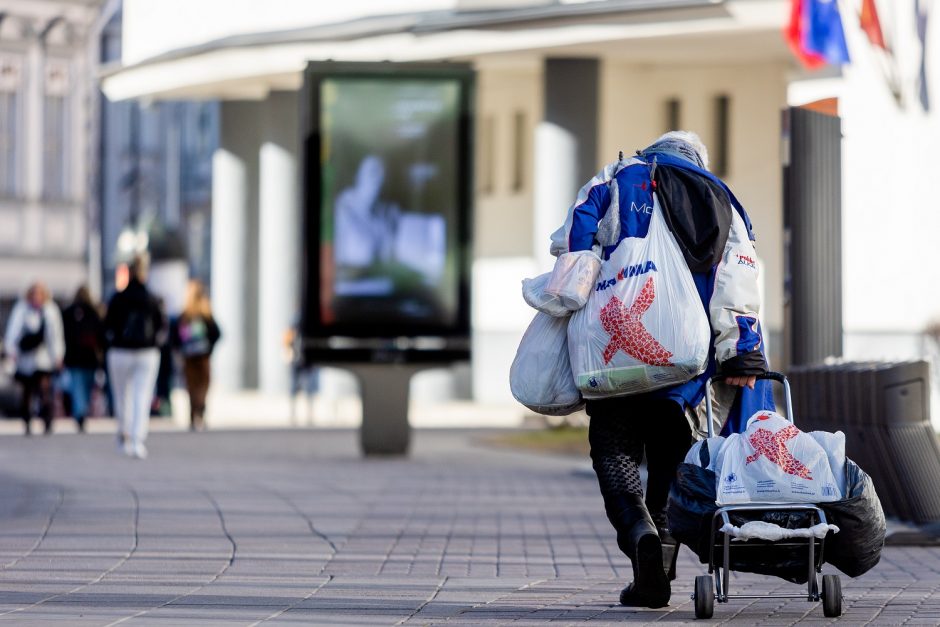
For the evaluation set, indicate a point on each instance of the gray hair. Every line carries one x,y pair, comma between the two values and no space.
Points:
683,144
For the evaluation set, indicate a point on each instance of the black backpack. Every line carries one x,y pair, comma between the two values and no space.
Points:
138,328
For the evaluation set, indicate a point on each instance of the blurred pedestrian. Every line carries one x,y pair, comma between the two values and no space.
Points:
161,405
35,342
84,351
304,378
134,330
194,334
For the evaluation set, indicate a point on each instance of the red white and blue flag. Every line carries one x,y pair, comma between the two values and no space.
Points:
815,33
871,25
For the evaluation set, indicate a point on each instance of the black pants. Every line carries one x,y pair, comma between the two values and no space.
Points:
621,430
38,386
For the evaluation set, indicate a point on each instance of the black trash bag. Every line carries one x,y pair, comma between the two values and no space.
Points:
857,547
691,504
690,508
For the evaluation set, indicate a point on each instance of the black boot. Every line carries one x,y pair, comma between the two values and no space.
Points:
638,539
670,545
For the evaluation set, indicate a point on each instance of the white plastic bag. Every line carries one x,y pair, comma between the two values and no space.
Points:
534,294
573,278
774,462
834,445
540,376
644,326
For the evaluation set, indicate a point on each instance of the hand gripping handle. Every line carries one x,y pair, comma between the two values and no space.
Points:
776,376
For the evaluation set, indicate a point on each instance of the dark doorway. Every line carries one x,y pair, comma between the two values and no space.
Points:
812,214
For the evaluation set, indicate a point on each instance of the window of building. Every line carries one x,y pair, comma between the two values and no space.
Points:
56,127
718,151
11,99
673,112
486,166
520,154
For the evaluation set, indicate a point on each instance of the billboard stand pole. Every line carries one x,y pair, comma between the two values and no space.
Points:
384,390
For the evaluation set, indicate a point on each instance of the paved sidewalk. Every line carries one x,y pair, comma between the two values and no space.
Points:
292,527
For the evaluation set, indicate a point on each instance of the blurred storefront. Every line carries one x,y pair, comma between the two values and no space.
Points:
562,86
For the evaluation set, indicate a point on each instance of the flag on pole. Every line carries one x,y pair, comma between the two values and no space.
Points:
871,25
815,33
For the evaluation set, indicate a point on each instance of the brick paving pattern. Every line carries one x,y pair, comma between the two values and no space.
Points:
292,527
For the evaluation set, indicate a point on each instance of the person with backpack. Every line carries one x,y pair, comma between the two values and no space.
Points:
194,335
713,233
84,351
134,329
35,342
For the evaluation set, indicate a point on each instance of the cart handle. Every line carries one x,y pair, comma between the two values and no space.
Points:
776,376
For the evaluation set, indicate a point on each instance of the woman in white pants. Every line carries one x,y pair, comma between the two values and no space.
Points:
134,329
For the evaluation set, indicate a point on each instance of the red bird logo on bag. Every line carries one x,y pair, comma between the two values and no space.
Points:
773,446
627,333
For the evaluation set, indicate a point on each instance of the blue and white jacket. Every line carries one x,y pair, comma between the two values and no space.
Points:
729,290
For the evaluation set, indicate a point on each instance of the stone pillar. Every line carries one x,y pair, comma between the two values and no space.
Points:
565,144
234,209
279,237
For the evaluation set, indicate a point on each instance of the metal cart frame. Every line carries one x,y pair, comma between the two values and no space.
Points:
704,597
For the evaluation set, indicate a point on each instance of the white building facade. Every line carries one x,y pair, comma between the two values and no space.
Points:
720,68
46,143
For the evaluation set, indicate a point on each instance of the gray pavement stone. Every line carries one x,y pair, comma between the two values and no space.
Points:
291,527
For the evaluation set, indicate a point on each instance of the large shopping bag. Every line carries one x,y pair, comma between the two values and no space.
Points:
540,376
644,326
774,462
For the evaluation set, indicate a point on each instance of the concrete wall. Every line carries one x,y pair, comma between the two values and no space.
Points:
891,223
503,224
634,113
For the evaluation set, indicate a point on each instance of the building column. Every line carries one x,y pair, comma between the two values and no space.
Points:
565,144
279,265
234,208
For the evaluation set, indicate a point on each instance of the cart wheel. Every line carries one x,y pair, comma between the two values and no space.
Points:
832,595
704,597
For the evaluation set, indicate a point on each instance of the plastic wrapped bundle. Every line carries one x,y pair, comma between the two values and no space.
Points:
573,278
535,296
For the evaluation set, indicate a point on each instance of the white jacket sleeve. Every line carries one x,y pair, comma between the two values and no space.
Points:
55,333
735,305
561,238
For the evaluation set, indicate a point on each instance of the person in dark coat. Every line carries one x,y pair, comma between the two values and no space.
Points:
135,327
84,351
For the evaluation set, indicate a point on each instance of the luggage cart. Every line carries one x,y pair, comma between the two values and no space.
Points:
707,590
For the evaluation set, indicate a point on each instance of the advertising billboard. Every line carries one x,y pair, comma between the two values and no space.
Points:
387,179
